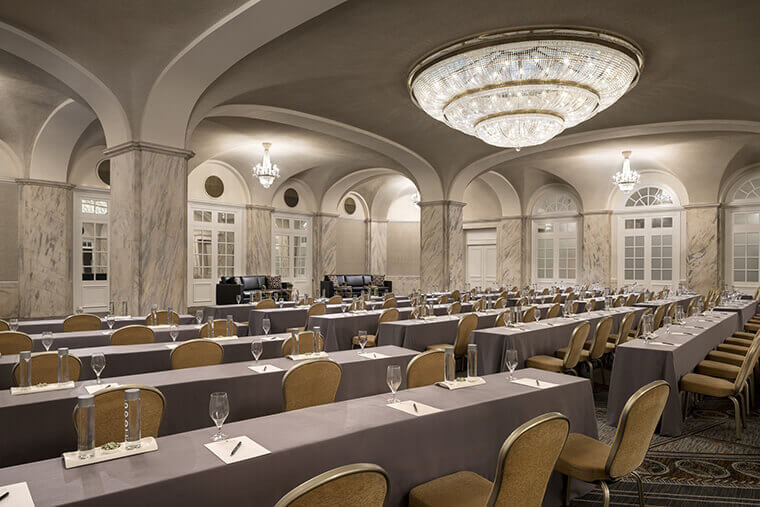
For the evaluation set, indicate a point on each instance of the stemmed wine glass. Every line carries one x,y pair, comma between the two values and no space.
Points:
173,332
47,339
198,316
537,315
667,321
266,325
110,320
362,335
237,298
510,360
219,409
393,379
13,324
98,363
257,348
450,309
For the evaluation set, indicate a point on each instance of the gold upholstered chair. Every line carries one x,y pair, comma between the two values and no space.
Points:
442,299
642,297
477,306
659,313
266,304
456,308
109,413
310,383
13,342
389,303
162,318
45,368
455,295
589,460
362,484
501,302
425,369
465,326
4,326
623,334
634,332
619,301
502,319
305,344
525,464
193,353
389,295
557,298
631,300
553,311
220,329
568,363
81,322
595,348
315,310
529,315
388,315
133,335
335,300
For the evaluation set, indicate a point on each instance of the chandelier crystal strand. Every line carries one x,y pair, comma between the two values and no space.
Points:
522,88
265,170
626,178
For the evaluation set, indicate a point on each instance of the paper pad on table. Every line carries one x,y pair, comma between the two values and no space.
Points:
531,382
261,368
19,495
373,355
71,459
249,449
408,407
99,387
475,381
172,346
301,357
42,389
221,338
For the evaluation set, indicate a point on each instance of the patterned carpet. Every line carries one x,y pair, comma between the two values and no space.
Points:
706,465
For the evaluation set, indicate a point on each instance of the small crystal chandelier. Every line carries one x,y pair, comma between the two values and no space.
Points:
626,178
416,198
265,170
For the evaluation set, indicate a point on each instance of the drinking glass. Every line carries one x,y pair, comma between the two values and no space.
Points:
449,309
257,348
667,321
110,320
537,314
219,409
237,298
13,324
510,361
198,316
266,325
98,363
173,332
362,334
80,310
47,339
393,379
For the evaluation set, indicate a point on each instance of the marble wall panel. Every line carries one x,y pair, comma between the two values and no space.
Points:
324,248
702,248
125,230
509,252
525,246
378,248
8,300
456,246
432,246
597,241
259,240
404,285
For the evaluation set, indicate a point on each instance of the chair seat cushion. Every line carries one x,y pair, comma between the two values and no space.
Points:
371,340
583,458
749,326
717,369
440,346
709,386
726,357
745,335
561,353
547,363
739,341
734,349
462,489
609,348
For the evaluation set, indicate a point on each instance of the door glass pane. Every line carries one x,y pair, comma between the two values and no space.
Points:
225,258
634,258
282,255
202,254
94,251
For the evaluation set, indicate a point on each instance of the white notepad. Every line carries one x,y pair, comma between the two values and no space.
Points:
408,407
531,382
222,338
247,450
71,459
19,495
373,355
264,368
301,357
42,389
474,381
99,387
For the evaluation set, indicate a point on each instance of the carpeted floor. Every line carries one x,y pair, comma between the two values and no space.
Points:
706,465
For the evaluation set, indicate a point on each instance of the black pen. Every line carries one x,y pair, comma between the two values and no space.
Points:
4,495
240,442
415,407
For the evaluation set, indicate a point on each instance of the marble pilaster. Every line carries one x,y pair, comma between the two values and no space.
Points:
403,285
525,247
455,245
45,218
378,246
259,239
325,239
8,299
597,241
509,252
702,248
432,246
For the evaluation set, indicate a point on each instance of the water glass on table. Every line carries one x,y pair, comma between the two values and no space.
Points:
510,361
219,409
266,325
110,320
13,324
238,297
667,321
257,348
98,364
198,316
47,339
393,379
362,335
173,332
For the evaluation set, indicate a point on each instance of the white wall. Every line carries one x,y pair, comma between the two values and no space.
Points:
235,189
403,209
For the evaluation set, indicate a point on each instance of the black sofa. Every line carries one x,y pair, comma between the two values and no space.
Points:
332,284
229,287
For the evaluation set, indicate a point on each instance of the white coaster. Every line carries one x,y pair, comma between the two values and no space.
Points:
42,388
172,346
122,317
99,387
373,355
18,495
301,357
470,382
248,449
414,408
71,459
223,338
264,368
160,326
532,382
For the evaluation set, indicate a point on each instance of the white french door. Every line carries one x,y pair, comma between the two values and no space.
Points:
648,249
91,251
215,246
555,251
291,250
481,258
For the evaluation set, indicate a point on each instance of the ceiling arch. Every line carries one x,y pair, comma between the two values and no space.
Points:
505,192
335,193
10,164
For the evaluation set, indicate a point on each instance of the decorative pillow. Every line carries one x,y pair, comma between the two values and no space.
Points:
334,280
378,280
274,282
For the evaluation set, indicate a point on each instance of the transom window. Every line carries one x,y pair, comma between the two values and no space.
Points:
649,196
748,191
555,202
94,207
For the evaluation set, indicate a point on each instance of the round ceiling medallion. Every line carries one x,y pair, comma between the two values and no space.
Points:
104,171
349,205
291,197
214,186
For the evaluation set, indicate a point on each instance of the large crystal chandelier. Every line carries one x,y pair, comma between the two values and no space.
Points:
626,178
265,170
523,87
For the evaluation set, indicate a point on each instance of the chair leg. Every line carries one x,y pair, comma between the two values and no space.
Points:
640,485
605,493
737,416
565,490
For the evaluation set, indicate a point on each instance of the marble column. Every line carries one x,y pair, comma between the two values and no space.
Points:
526,273
702,248
441,245
259,239
148,226
325,247
597,244
378,246
45,228
509,252
455,243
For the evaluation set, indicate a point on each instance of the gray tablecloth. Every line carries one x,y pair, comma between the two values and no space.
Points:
38,426
282,319
637,363
238,312
683,301
339,329
56,325
745,309
305,443
420,334
545,337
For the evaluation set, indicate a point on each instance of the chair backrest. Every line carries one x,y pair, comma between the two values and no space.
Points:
527,459
574,305
81,322
425,369
625,328
454,294
601,334
316,309
13,342
502,319
443,299
618,301
658,315
500,303
466,297
335,300
477,306
45,368
671,312
389,315
310,383
109,413
389,295
162,318
641,298
305,344
748,364
359,484
636,426
553,311
4,326
456,307
220,329
545,292
192,353
266,304
631,300
690,307
389,303
466,326
577,339
529,315
133,335
570,296
557,298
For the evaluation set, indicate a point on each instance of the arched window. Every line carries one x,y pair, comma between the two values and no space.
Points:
743,231
649,196
748,191
555,238
555,202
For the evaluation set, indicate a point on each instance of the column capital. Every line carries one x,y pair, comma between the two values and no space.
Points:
44,183
702,205
120,149
441,203
327,215
597,212
259,207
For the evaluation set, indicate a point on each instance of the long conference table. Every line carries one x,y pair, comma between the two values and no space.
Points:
39,426
37,326
465,434
418,334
